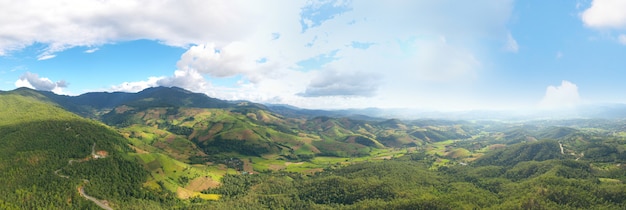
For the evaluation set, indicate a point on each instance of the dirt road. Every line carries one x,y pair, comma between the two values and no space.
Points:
81,191
101,204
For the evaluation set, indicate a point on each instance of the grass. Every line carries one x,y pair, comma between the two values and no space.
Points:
439,148
169,172
610,181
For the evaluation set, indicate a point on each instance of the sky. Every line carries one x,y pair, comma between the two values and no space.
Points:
434,55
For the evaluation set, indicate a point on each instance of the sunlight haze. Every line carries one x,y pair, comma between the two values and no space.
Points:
431,55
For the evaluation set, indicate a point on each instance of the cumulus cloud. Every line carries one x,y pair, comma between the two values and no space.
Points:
189,79
217,62
264,42
136,86
65,23
396,56
32,80
337,83
605,14
563,96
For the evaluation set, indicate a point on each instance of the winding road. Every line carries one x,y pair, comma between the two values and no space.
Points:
101,203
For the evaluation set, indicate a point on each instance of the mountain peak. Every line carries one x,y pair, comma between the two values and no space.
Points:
164,88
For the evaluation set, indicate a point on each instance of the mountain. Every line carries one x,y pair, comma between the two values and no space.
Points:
217,126
47,152
89,104
168,148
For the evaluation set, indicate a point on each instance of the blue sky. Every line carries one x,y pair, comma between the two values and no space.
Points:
436,55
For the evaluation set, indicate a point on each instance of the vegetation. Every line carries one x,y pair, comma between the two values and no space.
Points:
38,138
172,149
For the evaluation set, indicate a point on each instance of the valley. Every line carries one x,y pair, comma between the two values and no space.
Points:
169,148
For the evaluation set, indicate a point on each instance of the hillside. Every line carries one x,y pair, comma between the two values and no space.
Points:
93,103
38,139
167,148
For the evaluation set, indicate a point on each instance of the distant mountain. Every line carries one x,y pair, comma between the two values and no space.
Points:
94,103
90,104
357,114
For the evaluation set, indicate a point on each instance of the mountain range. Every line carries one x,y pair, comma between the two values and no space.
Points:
166,147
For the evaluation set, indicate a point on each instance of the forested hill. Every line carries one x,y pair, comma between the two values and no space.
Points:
37,142
90,104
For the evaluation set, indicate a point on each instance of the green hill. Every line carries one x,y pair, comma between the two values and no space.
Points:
38,139
92,104
535,151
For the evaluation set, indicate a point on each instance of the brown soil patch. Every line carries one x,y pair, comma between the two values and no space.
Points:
246,134
154,113
137,150
388,157
275,167
191,111
122,109
222,167
313,171
497,146
216,128
291,163
212,131
247,166
202,183
351,139
170,138
183,193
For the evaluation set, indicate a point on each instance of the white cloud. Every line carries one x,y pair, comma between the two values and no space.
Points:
45,57
65,23
189,79
230,60
92,50
136,86
559,97
404,53
605,14
338,83
32,80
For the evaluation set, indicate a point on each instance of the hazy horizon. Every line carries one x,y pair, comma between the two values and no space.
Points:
438,56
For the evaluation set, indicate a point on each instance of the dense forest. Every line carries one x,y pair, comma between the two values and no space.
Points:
408,183
37,139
